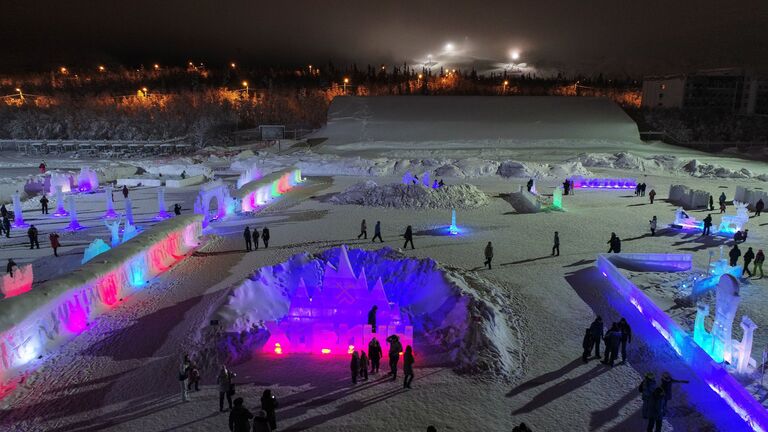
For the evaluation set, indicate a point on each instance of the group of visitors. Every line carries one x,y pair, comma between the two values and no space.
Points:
360,361
640,190
252,238
655,398
749,256
616,339
376,231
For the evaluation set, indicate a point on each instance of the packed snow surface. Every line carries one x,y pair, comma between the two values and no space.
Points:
398,195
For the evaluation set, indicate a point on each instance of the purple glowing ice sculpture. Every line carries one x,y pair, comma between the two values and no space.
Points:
60,210
18,218
110,213
128,212
74,225
161,212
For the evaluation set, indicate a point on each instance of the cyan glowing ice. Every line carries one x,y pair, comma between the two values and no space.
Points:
74,225
334,319
128,212
603,183
18,217
718,343
129,232
161,212
453,229
729,224
20,283
87,180
60,210
114,230
686,221
96,247
110,212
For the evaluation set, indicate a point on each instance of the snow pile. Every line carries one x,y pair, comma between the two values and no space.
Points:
397,195
175,168
469,319
514,169
698,169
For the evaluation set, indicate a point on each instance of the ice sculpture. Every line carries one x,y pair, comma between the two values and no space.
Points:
248,176
18,217
128,212
718,343
60,179
129,232
743,350
87,180
261,191
453,229
110,212
603,183
74,225
114,229
208,192
20,283
425,179
96,247
557,198
684,221
161,212
60,210
688,198
334,320
729,224
408,178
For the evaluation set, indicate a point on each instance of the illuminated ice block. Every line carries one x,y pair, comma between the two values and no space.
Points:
18,217
96,247
603,183
729,224
128,212
60,180
425,179
408,178
742,350
60,210
718,343
161,212
453,229
248,176
114,229
20,283
685,221
74,225
129,232
87,180
557,198
110,212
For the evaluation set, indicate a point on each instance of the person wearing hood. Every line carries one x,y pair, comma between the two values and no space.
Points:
125,191
395,348
759,260
363,366
269,405
734,255
408,361
354,366
374,354
614,243
707,225
612,341
626,337
652,195
240,417
656,410
44,204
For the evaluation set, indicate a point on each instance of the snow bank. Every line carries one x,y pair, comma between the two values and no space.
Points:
175,167
688,198
462,314
35,322
462,196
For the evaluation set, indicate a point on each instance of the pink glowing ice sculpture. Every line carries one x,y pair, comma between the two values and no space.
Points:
19,283
334,319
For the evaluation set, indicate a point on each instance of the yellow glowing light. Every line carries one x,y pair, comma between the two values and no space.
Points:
421,76
63,69
232,65
346,80
156,66
278,348
351,349
325,351
101,68
18,90
506,83
144,89
245,83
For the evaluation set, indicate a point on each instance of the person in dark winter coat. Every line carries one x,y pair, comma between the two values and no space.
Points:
372,318
44,204
363,370
596,330
652,195
529,185
759,260
711,203
408,361
626,337
666,385
556,245
7,227
33,241
642,189
647,386
54,239
177,209
722,199
488,255
226,386
240,417
615,243
265,239
749,255
566,187
707,224
363,230
269,405
354,366
3,211
395,347
377,233
42,167
408,237
247,236
734,255
656,411
261,423
653,224
612,341
374,354
722,208
125,191
255,236
586,344
9,267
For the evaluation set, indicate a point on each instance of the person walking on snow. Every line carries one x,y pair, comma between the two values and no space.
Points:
749,255
54,239
653,222
626,337
722,207
666,385
395,347
9,267
3,211
354,367
363,230
377,233
612,341
488,255
177,209
33,241
363,371
125,191
556,245
408,361
759,259
265,239
586,344
255,236
374,354
408,237
615,243
44,204
596,330
7,226
707,225
722,199
372,318
759,206
247,236
226,388
734,255
240,417
269,405
652,195
183,377
647,386
656,410
711,203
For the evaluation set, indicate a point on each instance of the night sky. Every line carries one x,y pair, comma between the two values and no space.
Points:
617,37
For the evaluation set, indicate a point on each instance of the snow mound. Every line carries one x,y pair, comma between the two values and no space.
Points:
397,195
472,322
175,168
515,169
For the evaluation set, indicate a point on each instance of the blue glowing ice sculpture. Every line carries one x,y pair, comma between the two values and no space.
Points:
453,229
128,212
96,247
110,213
74,225
114,229
161,212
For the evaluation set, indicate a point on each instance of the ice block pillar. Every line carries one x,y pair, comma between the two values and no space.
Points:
74,225
557,198
110,213
727,301
114,229
18,218
60,210
161,212
744,348
128,212
453,229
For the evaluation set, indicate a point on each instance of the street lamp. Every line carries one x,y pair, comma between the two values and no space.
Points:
449,47
21,95
102,69
346,81
245,84
515,55
232,65
63,70
504,87
156,66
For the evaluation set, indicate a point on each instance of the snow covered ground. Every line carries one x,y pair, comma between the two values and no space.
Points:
121,373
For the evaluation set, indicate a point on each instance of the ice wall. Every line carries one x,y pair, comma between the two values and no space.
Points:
688,198
260,192
750,196
250,174
20,283
33,324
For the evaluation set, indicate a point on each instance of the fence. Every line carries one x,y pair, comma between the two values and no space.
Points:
97,147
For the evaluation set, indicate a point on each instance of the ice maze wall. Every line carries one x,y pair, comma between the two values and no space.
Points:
36,322
688,198
260,192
